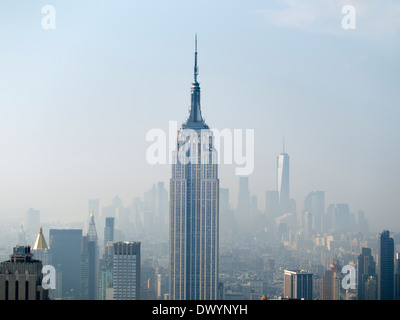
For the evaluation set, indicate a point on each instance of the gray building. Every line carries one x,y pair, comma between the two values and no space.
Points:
65,255
194,208
126,271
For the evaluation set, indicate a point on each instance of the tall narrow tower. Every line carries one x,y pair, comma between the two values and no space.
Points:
194,208
385,266
283,180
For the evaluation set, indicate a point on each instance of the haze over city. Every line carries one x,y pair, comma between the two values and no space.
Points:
77,102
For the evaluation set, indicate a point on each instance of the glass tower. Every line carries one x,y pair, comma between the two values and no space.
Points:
385,266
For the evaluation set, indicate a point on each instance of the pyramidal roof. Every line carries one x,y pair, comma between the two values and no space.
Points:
40,243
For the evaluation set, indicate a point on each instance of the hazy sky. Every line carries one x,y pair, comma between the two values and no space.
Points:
76,102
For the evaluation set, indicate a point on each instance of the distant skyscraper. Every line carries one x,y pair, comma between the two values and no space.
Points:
298,284
194,208
21,276
88,269
243,211
65,256
365,270
109,231
283,181
22,239
90,254
126,271
331,283
339,215
362,222
105,283
315,205
272,204
385,266
243,205
161,205
94,206
32,223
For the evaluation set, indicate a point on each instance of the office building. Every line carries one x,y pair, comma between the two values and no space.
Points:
331,282
385,266
108,231
65,255
298,284
194,208
126,271
366,272
314,204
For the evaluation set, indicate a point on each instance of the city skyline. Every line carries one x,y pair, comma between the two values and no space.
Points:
122,188
77,104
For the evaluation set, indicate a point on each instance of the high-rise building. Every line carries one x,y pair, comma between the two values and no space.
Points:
272,204
109,231
105,282
21,276
155,207
126,271
32,223
283,181
314,204
65,255
244,204
298,284
88,269
161,206
366,270
385,266
340,218
331,282
194,208
89,262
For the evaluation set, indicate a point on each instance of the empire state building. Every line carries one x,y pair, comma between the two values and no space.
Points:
194,208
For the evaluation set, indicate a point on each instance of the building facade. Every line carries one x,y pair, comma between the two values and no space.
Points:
126,271
65,255
298,284
385,266
21,276
194,208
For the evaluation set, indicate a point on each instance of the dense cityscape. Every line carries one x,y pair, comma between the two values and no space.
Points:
189,238
283,251
257,247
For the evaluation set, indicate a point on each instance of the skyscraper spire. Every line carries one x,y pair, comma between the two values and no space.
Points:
196,70
40,242
283,144
92,228
195,120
